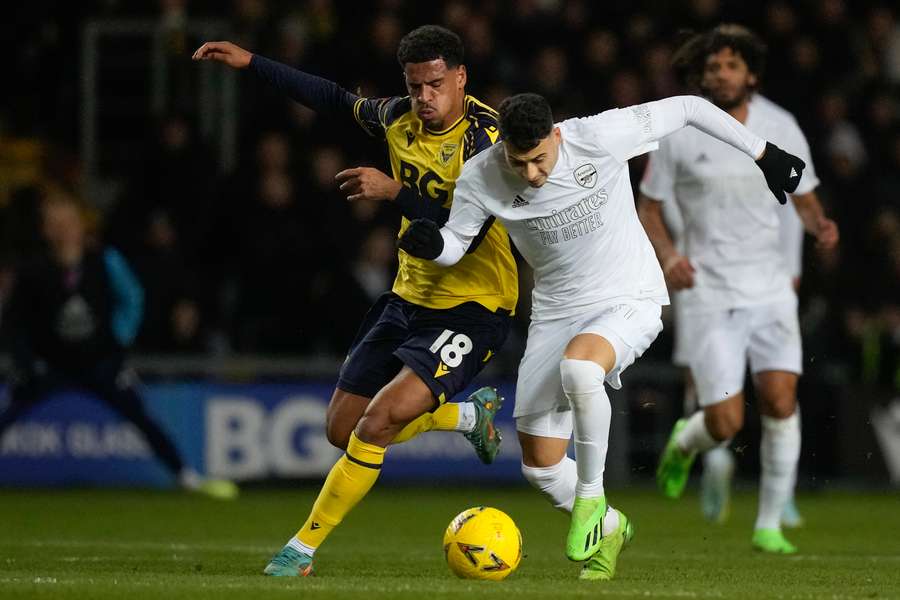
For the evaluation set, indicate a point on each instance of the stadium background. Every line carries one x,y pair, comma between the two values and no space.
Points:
257,272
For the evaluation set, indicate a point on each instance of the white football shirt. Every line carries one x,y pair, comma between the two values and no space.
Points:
580,231
731,220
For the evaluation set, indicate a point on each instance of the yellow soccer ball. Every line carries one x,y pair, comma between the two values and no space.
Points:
482,543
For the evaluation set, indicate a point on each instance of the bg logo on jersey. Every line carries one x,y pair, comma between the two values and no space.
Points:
429,184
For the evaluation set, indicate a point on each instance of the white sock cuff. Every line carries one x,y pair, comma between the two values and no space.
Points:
777,425
300,546
581,376
468,416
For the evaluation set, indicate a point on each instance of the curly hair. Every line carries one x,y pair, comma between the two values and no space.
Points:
525,119
689,59
430,42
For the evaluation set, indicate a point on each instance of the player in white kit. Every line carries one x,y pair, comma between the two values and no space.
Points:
564,194
737,295
718,463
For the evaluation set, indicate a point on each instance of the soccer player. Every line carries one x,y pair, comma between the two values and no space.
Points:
718,463
564,194
738,300
427,339
74,310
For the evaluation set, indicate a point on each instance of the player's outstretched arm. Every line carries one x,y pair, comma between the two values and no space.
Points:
314,92
781,169
224,52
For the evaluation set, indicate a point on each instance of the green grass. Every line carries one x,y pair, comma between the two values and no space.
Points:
145,544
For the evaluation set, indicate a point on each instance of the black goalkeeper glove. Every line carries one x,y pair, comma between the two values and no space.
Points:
422,239
782,169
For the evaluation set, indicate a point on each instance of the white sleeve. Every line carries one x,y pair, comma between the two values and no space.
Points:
672,114
628,132
658,181
467,217
797,144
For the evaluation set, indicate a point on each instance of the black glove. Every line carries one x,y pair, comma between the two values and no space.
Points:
422,239
782,170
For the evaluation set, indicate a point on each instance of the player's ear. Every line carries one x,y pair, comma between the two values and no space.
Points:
752,80
461,76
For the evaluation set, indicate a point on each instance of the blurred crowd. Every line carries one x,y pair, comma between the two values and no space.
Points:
268,257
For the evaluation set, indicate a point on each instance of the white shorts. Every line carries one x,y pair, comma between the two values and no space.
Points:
542,408
723,341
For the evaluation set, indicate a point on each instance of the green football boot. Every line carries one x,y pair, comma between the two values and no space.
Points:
674,465
602,565
220,489
289,563
484,436
772,541
584,529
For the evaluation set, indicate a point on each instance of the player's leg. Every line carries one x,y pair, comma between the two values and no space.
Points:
117,387
402,400
544,439
586,360
605,345
776,359
718,465
779,454
346,409
343,414
718,364
716,482
547,467
791,517
448,348
543,416
718,462
370,364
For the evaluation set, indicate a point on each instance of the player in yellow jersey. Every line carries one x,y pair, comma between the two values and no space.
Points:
425,340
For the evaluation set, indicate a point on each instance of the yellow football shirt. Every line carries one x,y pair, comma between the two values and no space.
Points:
429,162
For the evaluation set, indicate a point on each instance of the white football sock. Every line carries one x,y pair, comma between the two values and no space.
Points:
556,483
779,454
719,462
300,546
467,417
610,521
695,436
583,383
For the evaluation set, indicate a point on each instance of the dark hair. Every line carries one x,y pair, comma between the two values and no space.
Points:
525,120
689,59
430,42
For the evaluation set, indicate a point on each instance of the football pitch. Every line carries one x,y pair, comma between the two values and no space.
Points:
135,544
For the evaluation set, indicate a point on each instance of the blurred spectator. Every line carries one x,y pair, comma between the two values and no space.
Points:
884,35
74,311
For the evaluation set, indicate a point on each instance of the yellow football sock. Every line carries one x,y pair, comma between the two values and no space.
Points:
445,418
350,479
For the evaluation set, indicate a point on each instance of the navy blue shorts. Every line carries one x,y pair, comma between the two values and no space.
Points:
447,348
